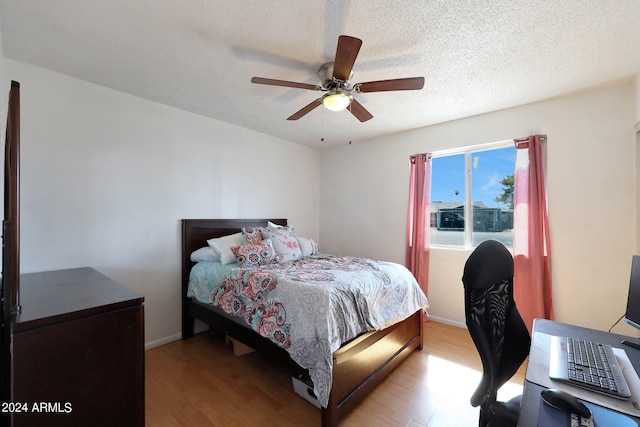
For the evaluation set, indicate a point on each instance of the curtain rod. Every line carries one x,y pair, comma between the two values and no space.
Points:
526,139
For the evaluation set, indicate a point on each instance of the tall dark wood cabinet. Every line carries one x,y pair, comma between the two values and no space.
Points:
78,351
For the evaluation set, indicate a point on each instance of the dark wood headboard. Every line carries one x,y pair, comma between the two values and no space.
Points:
196,232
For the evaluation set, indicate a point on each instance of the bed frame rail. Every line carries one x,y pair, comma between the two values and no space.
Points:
359,366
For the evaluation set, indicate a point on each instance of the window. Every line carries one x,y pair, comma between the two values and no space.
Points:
472,196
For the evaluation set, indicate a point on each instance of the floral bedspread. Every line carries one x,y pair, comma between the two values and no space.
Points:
311,306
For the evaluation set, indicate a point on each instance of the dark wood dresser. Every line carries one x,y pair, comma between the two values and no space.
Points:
78,351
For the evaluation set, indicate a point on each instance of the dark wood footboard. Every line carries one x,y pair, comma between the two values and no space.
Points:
363,363
358,366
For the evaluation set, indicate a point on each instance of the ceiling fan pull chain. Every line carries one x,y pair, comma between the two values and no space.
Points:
322,125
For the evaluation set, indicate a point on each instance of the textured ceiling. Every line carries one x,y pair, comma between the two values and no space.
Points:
199,55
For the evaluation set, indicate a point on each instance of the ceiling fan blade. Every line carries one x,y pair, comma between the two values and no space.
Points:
359,111
285,83
346,53
305,110
410,83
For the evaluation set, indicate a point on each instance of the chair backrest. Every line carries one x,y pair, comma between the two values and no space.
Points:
498,332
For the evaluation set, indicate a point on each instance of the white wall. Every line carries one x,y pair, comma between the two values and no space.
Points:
592,195
637,128
106,178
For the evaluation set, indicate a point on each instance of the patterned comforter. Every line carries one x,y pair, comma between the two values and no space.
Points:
310,307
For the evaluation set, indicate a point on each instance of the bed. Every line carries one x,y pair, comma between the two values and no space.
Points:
357,366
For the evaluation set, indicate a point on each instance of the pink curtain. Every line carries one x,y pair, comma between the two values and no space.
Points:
418,221
531,243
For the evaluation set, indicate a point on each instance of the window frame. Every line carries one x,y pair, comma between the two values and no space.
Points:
468,152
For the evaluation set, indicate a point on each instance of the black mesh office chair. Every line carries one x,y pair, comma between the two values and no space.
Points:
497,330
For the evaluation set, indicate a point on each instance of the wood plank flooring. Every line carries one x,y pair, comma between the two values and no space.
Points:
201,383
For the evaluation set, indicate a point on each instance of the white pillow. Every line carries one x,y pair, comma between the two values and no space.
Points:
205,254
307,246
224,244
274,225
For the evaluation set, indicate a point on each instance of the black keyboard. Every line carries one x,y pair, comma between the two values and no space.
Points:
593,366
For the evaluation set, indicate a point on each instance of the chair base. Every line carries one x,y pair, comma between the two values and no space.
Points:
500,414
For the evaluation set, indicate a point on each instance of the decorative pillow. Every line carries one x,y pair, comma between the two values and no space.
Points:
205,254
307,246
224,244
251,235
258,254
284,242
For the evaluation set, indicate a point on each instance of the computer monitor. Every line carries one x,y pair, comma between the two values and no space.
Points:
632,315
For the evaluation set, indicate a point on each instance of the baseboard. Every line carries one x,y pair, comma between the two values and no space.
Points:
448,322
198,327
162,341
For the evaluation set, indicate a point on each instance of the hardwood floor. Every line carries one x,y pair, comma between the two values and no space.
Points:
200,382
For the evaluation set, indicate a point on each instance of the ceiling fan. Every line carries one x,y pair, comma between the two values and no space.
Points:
335,80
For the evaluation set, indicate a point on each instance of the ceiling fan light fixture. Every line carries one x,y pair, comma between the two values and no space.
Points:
336,101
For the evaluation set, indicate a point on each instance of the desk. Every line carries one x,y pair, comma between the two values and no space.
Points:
531,393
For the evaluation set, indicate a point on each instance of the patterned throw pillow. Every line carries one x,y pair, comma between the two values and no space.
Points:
251,235
258,254
284,242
